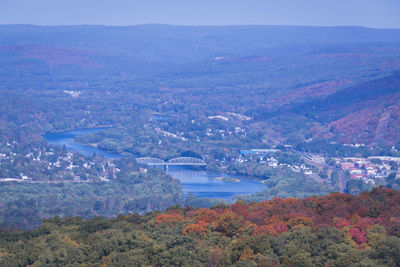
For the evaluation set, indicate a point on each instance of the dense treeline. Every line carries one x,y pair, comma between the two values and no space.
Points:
23,205
283,182
333,230
333,149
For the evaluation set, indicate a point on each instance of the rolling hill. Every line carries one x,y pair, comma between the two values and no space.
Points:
325,82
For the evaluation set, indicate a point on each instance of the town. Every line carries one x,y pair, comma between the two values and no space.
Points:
56,164
372,170
52,164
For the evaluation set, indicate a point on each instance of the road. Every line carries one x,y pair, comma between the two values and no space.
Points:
342,178
342,181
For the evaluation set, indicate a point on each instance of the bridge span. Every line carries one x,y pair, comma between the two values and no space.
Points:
180,161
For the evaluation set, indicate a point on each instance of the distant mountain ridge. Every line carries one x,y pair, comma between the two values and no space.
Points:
343,81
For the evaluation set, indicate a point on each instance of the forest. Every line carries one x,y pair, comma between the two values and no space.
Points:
332,230
24,205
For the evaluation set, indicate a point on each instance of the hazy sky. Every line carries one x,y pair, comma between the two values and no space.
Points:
369,13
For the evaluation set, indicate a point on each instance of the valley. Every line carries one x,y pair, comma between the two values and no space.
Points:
207,133
294,94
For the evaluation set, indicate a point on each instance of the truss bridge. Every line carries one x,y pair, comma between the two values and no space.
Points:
181,161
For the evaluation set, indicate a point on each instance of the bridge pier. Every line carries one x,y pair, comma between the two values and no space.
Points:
166,167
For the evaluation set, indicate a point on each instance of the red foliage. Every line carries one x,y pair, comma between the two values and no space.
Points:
341,223
365,223
240,209
352,214
358,235
280,228
273,226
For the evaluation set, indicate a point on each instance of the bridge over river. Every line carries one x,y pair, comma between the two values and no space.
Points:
181,161
200,182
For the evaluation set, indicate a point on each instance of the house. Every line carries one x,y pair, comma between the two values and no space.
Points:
347,165
218,117
357,176
308,172
258,151
355,171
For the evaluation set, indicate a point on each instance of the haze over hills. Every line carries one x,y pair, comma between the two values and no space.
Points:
282,66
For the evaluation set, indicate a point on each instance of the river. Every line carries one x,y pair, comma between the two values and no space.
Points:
199,182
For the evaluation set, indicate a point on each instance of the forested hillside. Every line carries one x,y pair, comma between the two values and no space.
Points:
24,205
367,112
333,230
80,71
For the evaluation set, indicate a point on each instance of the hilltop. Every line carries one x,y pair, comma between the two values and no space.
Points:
335,230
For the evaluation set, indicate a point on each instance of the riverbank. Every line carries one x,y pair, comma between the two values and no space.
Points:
202,183
98,127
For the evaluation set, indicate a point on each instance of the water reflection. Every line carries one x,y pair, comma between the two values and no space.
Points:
66,138
206,184
199,182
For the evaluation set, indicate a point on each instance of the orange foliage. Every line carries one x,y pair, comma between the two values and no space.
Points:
261,230
299,221
205,215
341,223
240,208
198,228
247,254
169,217
274,229
273,226
228,223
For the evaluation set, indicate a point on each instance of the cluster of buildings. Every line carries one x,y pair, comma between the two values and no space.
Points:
49,164
314,158
239,131
233,115
366,169
371,168
169,134
263,156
